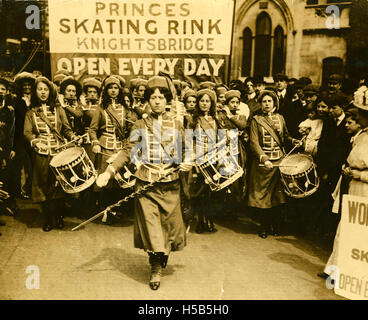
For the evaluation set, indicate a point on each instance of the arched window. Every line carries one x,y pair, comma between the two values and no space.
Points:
330,66
263,45
278,51
247,52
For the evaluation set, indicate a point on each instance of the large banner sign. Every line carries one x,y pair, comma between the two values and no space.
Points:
187,38
352,257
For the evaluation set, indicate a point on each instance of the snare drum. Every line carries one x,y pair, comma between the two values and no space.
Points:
219,174
299,175
124,177
73,170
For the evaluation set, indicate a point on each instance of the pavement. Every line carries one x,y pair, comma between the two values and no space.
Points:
99,261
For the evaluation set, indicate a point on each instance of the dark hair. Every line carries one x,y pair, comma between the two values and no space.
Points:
85,88
130,96
106,98
353,113
165,91
197,111
271,94
51,100
228,99
187,97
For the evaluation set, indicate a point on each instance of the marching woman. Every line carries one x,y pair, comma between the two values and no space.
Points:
229,118
204,125
158,227
70,91
268,136
189,100
46,127
109,129
91,89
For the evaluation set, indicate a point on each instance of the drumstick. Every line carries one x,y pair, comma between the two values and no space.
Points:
71,141
279,165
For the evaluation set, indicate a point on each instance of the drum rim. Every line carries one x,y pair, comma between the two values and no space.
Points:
56,157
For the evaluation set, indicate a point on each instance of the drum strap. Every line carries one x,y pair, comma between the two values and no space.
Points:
271,130
54,131
117,125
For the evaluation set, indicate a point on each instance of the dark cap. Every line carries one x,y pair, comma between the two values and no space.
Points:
280,77
311,88
335,78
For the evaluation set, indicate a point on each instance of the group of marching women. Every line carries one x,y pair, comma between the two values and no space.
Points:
103,116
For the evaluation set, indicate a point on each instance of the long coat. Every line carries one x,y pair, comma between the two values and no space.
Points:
265,189
158,226
44,186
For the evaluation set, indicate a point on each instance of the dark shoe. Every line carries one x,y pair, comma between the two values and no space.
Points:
155,262
164,259
47,227
200,227
263,234
2,223
60,223
211,227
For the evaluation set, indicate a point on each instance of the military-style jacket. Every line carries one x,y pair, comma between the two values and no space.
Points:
36,130
154,154
103,130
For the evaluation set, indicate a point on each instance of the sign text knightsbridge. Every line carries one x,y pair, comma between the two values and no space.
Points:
220,147
136,37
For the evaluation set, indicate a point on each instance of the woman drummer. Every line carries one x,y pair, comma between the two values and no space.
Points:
268,136
46,126
110,126
158,227
205,125
228,118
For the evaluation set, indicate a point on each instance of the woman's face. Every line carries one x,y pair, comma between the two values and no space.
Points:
234,104
322,109
70,91
27,87
92,93
190,104
42,92
267,104
127,101
205,103
221,98
157,101
113,91
352,126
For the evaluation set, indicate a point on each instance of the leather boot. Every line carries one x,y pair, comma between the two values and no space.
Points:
155,262
201,225
210,226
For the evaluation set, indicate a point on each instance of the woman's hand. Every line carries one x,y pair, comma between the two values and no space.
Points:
352,173
103,179
96,148
268,164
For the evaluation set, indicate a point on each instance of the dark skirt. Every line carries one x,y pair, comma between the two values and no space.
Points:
44,183
265,188
158,224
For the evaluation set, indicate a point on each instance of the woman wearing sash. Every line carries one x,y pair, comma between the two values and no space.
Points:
229,118
268,135
204,124
109,129
158,227
45,128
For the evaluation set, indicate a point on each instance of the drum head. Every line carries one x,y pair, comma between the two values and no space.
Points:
65,157
295,164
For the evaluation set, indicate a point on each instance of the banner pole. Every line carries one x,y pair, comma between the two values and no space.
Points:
231,46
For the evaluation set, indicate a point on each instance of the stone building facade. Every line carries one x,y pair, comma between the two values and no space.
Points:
295,37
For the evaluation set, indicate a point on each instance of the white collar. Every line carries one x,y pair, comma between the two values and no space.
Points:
281,93
340,118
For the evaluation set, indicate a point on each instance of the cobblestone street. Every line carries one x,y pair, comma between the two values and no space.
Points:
99,262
